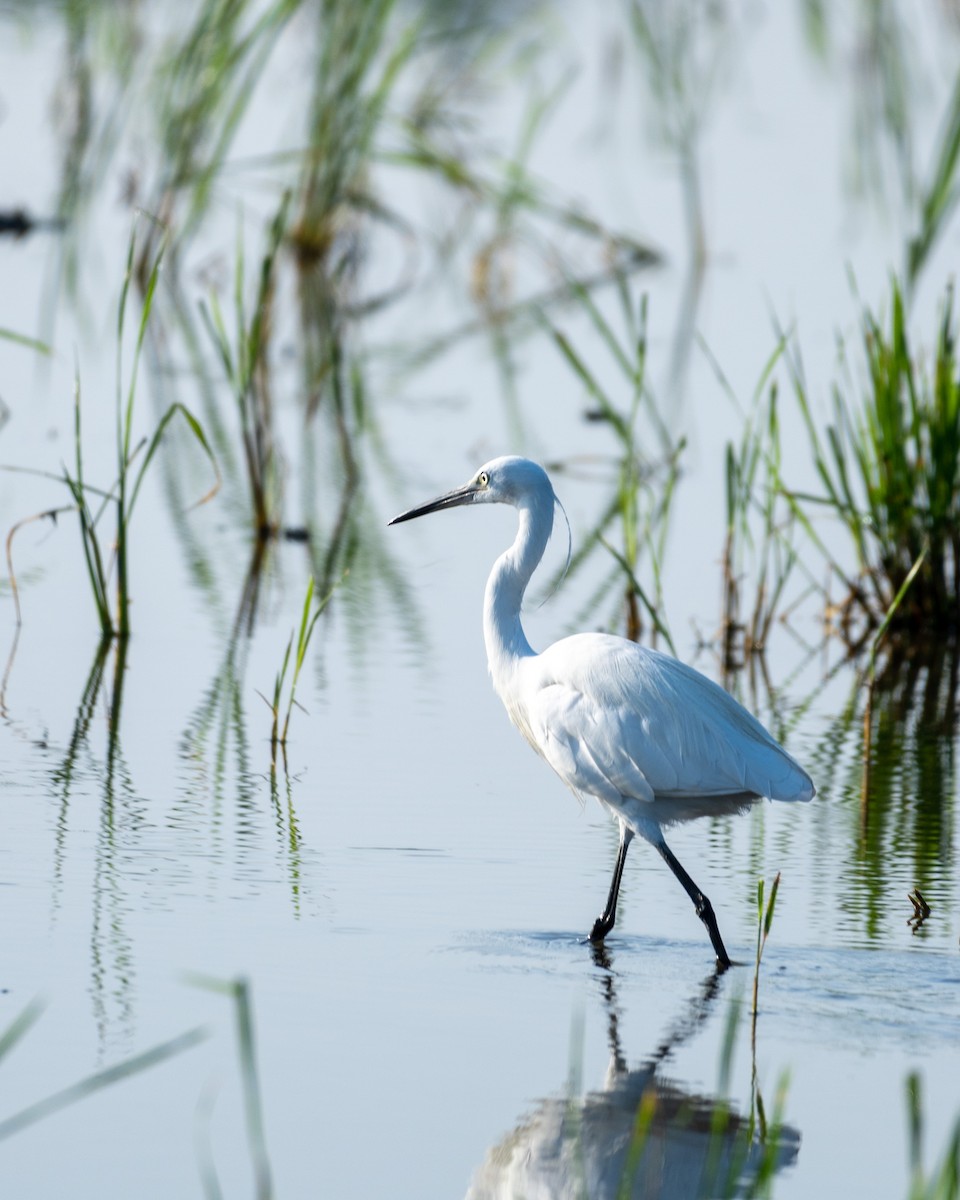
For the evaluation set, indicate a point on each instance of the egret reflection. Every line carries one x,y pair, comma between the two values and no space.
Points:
642,1134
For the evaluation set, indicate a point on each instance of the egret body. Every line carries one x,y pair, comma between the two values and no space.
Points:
652,739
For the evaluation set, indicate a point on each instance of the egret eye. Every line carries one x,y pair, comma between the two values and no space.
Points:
483,479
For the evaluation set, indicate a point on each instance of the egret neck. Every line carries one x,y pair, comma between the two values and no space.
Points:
503,634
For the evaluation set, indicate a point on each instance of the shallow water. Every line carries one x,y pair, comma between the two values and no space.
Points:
409,899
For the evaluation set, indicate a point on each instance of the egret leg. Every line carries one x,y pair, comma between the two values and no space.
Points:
701,903
605,922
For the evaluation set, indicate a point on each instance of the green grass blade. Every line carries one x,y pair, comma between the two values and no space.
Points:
212,319
196,429
307,624
894,605
768,919
20,1026
21,339
592,386
651,608
99,1080
146,308
238,990
942,193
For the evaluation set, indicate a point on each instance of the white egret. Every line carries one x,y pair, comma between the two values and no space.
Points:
652,739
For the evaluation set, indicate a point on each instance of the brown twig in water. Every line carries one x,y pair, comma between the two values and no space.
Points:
52,514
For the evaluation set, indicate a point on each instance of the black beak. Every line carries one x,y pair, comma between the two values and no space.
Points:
461,495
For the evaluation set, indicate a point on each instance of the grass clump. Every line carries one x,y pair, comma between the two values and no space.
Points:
129,480
889,464
109,572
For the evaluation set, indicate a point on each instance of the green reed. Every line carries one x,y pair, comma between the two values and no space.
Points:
202,88
764,922
308,620
889,464
20,339
239,992
357,66
938,200
682,49
642,500
944,1182
753,494
129,478
96,1082
246,364
133,459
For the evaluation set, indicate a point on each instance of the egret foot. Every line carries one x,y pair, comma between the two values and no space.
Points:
601,927
700,902
706,915
605,922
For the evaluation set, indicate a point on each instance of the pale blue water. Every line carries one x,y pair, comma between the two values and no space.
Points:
409,901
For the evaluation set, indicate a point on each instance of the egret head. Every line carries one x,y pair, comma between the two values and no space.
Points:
507,480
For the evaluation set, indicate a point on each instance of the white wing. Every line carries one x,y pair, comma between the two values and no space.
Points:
614,719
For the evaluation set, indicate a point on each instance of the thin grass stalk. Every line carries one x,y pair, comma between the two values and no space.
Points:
275,704
245,361
278,736
795,499
758,448
88,536
307,624
638,591
944,1184
764,921
871,682
657,526
778,557
644,517
253,1104
942,193
125,425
